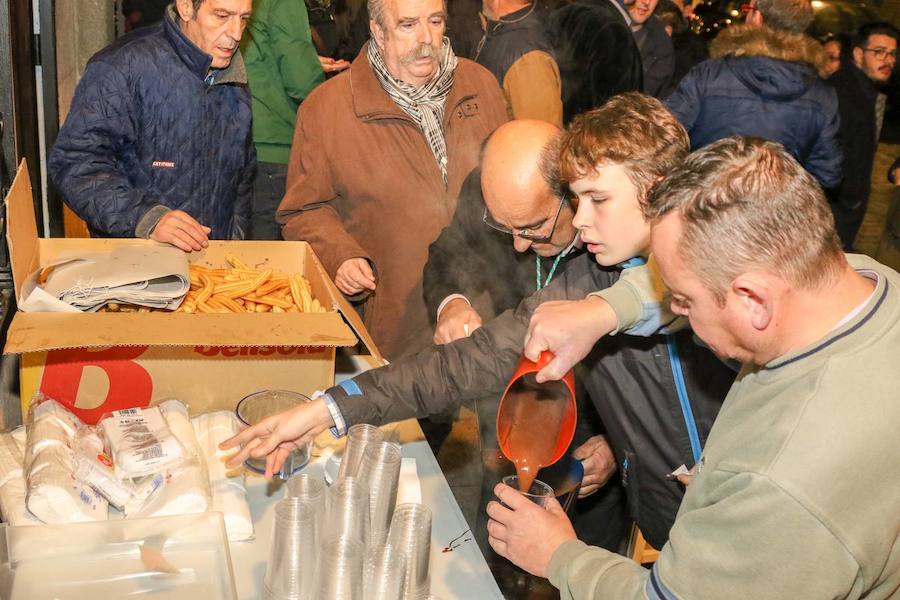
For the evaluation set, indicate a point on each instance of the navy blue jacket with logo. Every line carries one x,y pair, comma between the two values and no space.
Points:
147,132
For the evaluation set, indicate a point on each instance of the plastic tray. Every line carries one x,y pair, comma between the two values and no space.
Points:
180,557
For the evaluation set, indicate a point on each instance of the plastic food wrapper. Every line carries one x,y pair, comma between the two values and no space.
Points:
94,467
185,488
48,424
140,442
179,419
47,409
10,459
211,429
177,492
229,496
54,495
12,480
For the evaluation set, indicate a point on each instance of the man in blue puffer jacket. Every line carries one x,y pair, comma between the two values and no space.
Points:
762,81
157,143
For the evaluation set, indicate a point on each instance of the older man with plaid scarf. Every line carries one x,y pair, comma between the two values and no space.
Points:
379,155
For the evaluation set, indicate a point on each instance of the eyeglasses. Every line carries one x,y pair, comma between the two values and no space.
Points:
882,53
526,234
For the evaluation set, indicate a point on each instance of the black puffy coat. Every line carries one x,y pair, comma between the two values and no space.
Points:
146,130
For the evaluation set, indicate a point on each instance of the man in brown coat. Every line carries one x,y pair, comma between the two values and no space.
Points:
379,155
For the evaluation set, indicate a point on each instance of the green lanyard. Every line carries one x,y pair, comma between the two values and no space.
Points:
537,264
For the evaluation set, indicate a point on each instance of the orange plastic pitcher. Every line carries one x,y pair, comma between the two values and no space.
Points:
536,421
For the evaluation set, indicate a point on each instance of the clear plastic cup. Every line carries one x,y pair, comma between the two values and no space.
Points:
340,569
305,487
539,492
385,571
254,408
410,534
291,570
358,436
347,509
380,470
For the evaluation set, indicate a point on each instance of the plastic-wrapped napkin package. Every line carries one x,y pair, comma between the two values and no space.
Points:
94,467
185,487
54,495
12,482
140,442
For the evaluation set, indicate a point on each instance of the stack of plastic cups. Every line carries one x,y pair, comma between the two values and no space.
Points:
385,571
380,471
306,488
410,534
358,437
341,569
291,570
347,510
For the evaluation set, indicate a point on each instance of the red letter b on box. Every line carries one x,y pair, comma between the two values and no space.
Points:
130,384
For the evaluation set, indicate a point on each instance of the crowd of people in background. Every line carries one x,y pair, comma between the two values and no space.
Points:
586,176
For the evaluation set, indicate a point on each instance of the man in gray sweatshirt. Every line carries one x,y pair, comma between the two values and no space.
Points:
795,494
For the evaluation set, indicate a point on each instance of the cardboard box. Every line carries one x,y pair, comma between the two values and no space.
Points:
100,362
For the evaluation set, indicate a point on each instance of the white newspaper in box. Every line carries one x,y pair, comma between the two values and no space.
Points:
152,276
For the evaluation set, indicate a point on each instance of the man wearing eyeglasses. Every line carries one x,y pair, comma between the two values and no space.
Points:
473,259
861,107
511,235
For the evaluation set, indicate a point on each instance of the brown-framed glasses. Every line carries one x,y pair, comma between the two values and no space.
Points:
526,234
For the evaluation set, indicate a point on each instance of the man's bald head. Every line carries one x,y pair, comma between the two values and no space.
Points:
520,182
514,158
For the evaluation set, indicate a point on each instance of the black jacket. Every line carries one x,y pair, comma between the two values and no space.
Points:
657,56
463,26
512,37
596,53
631,381
856,95
472,259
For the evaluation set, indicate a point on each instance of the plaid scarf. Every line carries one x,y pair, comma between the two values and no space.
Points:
425,105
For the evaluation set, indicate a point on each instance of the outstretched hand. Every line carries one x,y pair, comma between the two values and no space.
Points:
277,436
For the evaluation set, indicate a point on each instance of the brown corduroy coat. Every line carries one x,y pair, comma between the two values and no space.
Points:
363,182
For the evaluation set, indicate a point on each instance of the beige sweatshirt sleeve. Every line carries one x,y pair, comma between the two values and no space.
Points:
750,539
641,302
533,88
